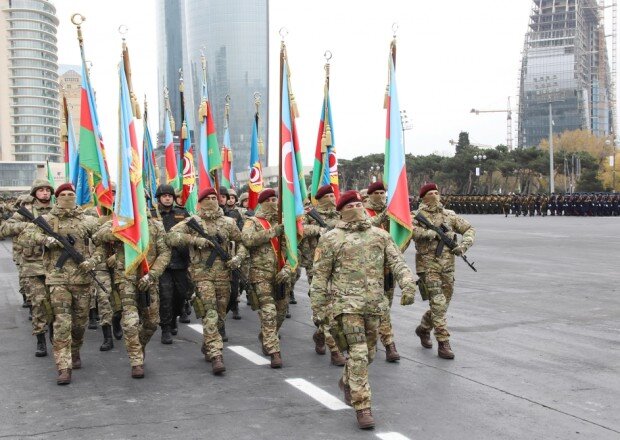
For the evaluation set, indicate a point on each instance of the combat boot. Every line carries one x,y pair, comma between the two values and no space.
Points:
236,314
346,389
292,299
319,342
444,351
364,418
166,337
117,329
41,346
276,360
64,377
76,361
288,313
217,364
173,327
391,355
92,319
184,318
108,342
137,372
223,334
425,337
338,359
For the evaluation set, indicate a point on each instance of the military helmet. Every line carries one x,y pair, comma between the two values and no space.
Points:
232,192
38,184
164,189
243,196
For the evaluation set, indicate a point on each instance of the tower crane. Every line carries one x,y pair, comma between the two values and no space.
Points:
508,111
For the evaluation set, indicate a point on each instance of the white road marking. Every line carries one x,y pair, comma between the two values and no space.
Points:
196,327
392,436
249,355
317,394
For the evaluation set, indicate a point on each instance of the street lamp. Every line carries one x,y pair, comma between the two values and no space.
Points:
405,123
549,88
479,158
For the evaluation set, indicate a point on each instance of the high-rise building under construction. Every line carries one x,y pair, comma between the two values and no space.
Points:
565,74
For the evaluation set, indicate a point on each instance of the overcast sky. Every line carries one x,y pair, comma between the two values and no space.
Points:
453,55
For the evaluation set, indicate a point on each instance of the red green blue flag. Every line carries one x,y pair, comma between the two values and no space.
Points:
210,159
150,173
255,183
172,169
395,170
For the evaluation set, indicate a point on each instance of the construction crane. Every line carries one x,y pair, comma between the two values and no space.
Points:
508,111
473,144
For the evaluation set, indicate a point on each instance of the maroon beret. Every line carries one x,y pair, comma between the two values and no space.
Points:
64,187
206,192
325,189
348,197
265,194
376,186
428,187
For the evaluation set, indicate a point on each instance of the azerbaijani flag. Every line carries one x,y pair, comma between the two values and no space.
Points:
77,175
210,159
150,174
130,223
172,169
395,170
50,179
255,184
92,153
292,187
325,169
190,190
227,170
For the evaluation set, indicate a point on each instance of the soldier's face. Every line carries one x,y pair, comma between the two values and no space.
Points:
431,197
209,203
378,196
43,195
166,200
245,203
223,199
231,201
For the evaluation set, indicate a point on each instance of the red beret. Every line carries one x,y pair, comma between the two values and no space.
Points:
348,197
376,186
64,187
325,189
428,187
207,192
265,194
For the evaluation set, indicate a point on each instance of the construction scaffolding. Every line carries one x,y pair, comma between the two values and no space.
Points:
565,68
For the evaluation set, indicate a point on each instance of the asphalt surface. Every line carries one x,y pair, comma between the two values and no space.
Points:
535,333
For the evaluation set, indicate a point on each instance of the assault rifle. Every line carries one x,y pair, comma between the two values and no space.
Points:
66,242
317,218
444,239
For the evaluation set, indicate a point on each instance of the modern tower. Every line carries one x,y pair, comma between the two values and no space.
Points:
29,97
565,72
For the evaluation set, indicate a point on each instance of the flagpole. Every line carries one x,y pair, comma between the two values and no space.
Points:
183,133
64,133
280,185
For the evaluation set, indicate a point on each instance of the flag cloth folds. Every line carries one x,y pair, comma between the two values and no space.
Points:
78,176
210,159
50,179
325,170
255,183
227,168
92,153
150,174
130,222
172,169
395,170
292,185
190,189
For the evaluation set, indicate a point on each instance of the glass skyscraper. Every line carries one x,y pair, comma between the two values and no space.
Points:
565,67
233,35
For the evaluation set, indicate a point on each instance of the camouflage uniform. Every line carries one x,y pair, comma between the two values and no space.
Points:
349,265
30,264
263,270
139,324
69,287
212,283
437,273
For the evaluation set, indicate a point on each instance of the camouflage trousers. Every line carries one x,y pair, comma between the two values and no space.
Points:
38,294
271,313
386,332
101,300
209,293
440,287
70,305
361,333
138,323
324,328
222,295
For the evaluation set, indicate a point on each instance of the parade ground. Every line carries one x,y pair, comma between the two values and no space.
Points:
535,333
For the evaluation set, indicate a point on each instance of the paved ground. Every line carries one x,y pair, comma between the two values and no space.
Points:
535,331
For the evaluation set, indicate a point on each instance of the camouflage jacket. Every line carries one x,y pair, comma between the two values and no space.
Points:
312,232
65,222
215,224
425,256
378,215
30,258
349,267
158,255
257,240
